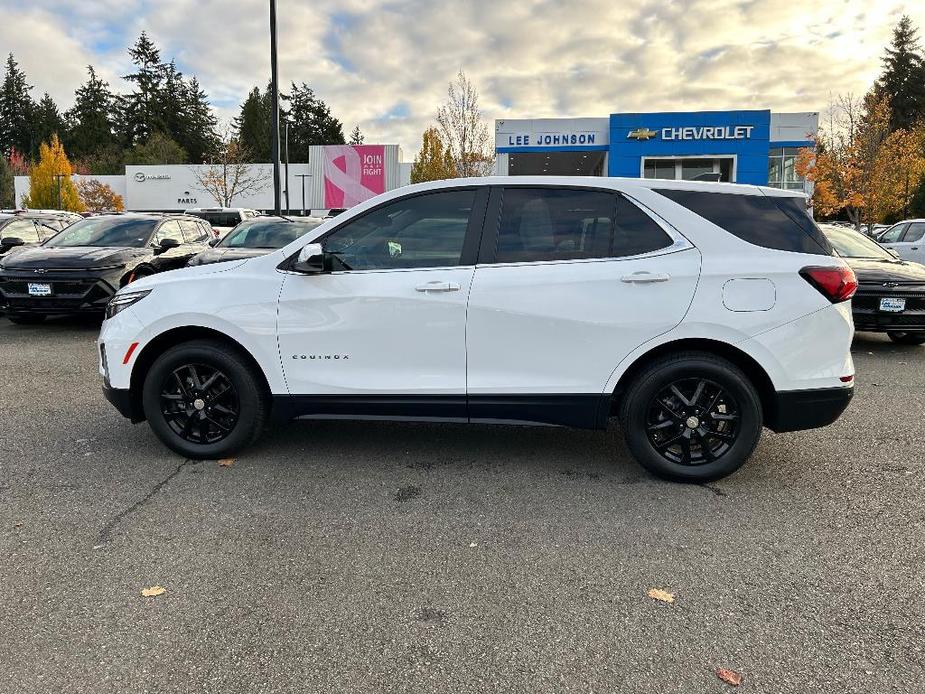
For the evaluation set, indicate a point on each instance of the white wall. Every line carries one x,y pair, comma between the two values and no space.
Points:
117,183
793,126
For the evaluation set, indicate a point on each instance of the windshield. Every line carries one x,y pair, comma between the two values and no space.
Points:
266,233
124,232
851,244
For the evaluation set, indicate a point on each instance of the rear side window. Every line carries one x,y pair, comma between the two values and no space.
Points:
914,233
548,224
775,222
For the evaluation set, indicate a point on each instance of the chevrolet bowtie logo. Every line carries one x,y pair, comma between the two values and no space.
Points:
641,134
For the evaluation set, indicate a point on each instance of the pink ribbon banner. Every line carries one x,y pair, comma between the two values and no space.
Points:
352,174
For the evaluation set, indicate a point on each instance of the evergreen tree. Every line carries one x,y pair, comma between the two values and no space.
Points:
159,149
197,129
91,120
903,78
46,121
311,123
16,108
356,137
253,124
7,189
140,112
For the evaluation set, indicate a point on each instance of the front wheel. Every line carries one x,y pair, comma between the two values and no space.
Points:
907,338
691,417
203,400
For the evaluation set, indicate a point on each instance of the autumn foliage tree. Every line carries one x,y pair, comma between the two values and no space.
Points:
50,184
97,196
859,166
434,162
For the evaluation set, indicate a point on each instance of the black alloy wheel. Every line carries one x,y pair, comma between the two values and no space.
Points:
199,403
692,421
205,399
691,417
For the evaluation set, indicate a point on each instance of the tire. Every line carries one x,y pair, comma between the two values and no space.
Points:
907,338
701,438
190,414
25,319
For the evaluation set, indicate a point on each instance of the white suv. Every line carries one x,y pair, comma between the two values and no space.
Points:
696,312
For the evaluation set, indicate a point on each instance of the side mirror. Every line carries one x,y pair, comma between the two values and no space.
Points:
214,242
11,241
166,245
310,260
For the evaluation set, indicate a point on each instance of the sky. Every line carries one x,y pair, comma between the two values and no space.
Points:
386,65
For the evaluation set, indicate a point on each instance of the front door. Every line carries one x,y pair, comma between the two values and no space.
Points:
576,280
387,326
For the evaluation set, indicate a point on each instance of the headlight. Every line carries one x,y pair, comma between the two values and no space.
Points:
123,300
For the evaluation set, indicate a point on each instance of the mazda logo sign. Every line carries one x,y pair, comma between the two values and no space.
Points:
140,177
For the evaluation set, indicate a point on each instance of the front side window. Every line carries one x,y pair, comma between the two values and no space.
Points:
416,232
893,234
169,230
119,232
544,224
22,229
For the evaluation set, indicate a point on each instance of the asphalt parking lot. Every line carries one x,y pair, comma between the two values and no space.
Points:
347,557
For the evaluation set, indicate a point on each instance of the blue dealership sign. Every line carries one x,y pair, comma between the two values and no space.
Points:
742,134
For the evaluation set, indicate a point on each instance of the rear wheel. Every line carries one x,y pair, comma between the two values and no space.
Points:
203,400
907,338
25,319
691,417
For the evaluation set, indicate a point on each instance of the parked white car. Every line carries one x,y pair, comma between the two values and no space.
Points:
907,238
696,312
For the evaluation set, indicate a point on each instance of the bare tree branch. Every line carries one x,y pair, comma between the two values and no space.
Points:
230,173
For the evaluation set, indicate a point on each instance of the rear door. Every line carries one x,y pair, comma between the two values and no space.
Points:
569,282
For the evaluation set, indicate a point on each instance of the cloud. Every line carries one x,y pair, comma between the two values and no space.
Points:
386,65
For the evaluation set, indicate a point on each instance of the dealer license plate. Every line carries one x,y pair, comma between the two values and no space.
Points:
892,305
39,289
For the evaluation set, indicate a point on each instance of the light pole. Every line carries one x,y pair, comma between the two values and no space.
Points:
303,177
58,178
287,167
274,93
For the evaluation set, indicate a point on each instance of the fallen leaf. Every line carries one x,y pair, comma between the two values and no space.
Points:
730,677
226,462
473,544
153,591
17,524
659,594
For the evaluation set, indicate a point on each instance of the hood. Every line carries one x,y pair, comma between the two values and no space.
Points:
70,258
220,254
183,274
879,271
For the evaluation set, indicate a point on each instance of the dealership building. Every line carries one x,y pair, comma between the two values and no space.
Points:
336,176
754,146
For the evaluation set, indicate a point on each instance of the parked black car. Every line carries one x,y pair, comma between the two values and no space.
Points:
891,292
31,228
254,237
80,268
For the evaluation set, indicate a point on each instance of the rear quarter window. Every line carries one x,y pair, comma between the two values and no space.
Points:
781,223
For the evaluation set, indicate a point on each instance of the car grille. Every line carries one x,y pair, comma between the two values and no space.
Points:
865,307
71,294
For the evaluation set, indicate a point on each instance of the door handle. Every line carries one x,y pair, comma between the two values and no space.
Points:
438,286
645,277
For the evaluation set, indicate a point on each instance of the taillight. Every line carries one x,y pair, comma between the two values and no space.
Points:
834,283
